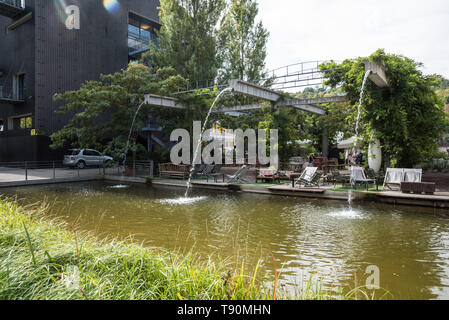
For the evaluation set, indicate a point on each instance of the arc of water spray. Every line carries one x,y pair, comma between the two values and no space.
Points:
130,133
195,155
359,114
357,125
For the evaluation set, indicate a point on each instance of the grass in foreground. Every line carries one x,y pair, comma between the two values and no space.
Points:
47,260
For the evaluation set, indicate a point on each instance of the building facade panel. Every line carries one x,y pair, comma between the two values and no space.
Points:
56,59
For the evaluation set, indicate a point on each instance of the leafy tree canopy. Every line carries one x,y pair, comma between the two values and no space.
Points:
242,43
103,110
407,117
187,40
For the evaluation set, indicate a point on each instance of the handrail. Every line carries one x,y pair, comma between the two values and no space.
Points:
8,93
25,171
19,4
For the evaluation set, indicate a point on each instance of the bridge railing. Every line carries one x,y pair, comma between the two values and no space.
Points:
34,171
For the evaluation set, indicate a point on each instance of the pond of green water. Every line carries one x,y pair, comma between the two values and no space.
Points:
326,239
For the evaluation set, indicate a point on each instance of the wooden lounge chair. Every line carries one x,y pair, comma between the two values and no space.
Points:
268,175
207,170
358,177
313,183
215,174
335,177
308,177
371,174
198,169
412,175
395,177
238,177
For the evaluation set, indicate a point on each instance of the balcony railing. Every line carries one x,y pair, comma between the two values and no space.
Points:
8,94
19,4
11,8
138,44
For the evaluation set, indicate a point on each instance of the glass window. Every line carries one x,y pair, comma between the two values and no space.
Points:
23,123
145,34
140,33
133,31
92,153
87,153
26,123
72,152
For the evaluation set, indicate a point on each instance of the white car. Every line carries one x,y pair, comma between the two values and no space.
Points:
81,158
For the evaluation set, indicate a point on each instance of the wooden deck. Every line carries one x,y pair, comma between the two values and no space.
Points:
438,200
288,187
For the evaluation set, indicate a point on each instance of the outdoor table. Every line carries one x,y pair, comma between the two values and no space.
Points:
294,177
216,176
329,167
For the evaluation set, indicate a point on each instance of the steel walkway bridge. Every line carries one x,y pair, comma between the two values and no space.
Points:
291,79
293,76
305,74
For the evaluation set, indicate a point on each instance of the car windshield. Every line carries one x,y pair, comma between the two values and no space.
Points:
74,152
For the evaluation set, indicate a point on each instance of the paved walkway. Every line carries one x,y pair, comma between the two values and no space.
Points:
19,174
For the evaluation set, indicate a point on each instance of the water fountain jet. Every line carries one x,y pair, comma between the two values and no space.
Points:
130,133
195,155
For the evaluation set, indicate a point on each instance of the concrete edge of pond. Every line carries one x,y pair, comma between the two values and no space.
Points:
393,198
38,182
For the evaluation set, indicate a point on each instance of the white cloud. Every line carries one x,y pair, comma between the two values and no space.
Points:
339,29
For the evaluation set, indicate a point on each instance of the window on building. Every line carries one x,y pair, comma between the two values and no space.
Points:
140,32
23,123
2,125
19,86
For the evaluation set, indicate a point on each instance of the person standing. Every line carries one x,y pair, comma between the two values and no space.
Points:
341,158
350,159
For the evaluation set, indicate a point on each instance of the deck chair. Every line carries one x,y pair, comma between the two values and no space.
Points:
307,177
238,177
207,170
337,178
412,175
217,168
393,178
315,183
268,174
358,177
198,169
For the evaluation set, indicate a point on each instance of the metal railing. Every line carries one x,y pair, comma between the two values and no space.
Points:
8,93
19,4
29,171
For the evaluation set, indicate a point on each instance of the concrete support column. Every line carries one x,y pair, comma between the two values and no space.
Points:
325,143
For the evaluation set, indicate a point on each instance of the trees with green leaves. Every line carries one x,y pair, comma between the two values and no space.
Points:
187,40
102,111
338,120
187,52
242,42
442,87
407,117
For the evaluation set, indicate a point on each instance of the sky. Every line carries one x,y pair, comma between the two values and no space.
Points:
339,29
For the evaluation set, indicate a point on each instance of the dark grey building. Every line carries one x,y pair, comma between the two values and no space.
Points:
45,49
